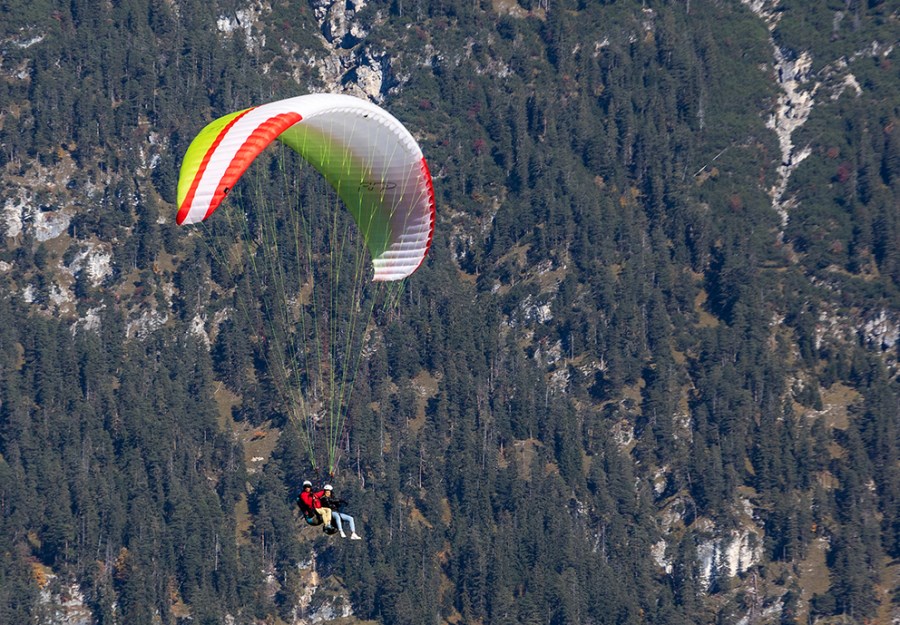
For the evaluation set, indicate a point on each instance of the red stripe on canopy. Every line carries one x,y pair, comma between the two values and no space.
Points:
258,141
185,207
431,208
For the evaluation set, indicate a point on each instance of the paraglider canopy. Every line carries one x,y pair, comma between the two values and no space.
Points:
368,156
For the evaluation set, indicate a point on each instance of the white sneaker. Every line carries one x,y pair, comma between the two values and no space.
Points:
354,536
343,535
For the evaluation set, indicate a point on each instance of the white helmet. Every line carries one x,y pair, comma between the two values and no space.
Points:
327,487
306,483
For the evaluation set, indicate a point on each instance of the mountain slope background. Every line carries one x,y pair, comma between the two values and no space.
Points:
648,373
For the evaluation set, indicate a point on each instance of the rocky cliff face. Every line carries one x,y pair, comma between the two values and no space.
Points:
352,66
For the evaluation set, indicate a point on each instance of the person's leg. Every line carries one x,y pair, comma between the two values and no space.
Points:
326,515
337,521
352,522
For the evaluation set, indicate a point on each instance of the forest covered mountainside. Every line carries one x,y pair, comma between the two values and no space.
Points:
648,372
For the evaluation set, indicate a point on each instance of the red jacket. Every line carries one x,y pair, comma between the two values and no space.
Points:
311,499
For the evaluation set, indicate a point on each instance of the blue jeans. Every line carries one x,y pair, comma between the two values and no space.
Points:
338,516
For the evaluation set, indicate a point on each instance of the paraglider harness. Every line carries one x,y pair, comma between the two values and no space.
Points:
314,518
